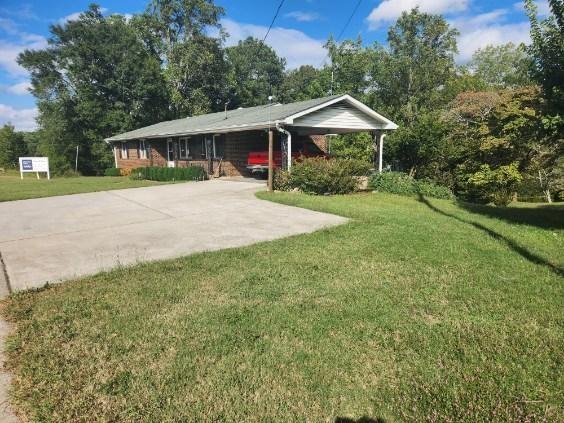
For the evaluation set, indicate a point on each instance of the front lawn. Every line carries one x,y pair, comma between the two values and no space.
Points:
415,310
14,188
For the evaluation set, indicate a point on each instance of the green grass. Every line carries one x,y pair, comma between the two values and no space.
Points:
14,188
415,310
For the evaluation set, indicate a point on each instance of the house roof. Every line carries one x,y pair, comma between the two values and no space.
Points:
249,118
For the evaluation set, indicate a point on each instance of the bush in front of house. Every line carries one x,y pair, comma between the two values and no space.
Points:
403,184
190,173
318,175
112,171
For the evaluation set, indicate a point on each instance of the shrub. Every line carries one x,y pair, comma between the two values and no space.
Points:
190,173
498,185
317,175
403,184
281,181
112,171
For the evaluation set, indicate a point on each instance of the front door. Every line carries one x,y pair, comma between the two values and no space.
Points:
170,148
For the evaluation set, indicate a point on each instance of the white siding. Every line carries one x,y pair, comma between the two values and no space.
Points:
338,115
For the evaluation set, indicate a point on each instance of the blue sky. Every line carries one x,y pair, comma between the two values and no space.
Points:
298,34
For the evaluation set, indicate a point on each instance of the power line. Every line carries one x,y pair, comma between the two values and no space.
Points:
344,29
273,19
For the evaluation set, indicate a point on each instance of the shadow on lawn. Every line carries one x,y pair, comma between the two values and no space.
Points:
543,216
533,258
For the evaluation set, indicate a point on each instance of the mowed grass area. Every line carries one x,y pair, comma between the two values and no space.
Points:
14,188
416,310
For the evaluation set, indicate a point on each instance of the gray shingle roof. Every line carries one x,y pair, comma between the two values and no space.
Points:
249,117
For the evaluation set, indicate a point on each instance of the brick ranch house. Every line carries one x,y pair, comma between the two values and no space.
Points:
220,142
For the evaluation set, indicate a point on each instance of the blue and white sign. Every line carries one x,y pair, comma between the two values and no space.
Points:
34,164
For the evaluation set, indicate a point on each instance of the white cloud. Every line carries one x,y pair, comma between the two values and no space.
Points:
20,88
9,52
303,16
488,29
471,41
74,16
543,8
297,47
22,119
390,10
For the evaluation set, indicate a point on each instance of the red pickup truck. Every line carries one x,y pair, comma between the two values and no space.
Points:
257,161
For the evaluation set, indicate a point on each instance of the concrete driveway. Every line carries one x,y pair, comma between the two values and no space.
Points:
56,238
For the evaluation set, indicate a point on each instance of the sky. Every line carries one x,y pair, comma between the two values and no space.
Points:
301,29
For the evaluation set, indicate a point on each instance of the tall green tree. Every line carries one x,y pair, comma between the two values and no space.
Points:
303,83
95,79
195,67
416,65
12,146
256,72
547,49
198,76
176,21
503,66
349,67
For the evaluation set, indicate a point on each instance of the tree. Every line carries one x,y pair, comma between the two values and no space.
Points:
256,72
350,64
503,66
497,185
547,50
303,83
416,65
357,146
12,146
177,21
95,79
421,148
198,76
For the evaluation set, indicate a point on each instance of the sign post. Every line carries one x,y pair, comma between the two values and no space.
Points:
34,164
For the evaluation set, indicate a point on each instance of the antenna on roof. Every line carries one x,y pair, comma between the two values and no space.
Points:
225,104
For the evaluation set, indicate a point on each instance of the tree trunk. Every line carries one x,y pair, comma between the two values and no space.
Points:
548,196
412,171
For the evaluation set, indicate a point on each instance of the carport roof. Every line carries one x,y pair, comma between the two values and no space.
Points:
258,117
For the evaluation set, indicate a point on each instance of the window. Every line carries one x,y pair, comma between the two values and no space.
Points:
124,150
184,145
218,146
143,149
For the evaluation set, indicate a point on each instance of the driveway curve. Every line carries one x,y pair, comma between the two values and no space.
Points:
57,238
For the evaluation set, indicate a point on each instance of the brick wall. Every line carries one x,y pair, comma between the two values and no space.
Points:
237,147
133,160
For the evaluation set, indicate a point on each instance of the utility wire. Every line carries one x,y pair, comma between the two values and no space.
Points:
273,19
344,29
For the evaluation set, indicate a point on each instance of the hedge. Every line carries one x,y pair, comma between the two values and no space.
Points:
190,173
403,184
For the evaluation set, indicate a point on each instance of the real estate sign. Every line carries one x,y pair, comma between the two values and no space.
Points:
34,164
